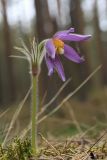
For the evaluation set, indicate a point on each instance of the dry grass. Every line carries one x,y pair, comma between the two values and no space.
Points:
74,148
83,142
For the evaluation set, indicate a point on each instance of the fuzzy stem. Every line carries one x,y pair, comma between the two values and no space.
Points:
34,113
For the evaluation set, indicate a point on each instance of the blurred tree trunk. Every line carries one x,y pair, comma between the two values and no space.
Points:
45,27
77,21
10,91
44,23
99,45
59,8
39,20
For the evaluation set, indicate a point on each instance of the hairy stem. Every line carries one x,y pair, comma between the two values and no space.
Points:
34,113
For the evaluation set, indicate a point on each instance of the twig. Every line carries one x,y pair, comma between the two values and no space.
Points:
86,155
49,144
3,113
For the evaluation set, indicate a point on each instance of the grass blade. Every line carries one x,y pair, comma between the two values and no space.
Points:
15,116
71,94
54,97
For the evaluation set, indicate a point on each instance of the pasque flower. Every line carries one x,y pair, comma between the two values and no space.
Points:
56,46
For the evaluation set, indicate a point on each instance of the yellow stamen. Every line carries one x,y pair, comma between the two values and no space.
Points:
60,50
59,45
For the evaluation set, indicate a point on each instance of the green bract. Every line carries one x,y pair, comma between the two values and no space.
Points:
35,55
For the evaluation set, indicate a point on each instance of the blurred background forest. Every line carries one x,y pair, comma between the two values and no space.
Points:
42,18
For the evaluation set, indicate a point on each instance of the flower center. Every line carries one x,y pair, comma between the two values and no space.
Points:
59,45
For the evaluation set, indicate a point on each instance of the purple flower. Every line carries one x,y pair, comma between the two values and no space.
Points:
56,46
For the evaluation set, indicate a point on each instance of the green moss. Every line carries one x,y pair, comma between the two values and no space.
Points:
17,150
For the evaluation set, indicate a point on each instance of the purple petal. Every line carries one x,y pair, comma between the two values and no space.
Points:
73,37
59,68
49,64
50,48
65,32
71,30
72,55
